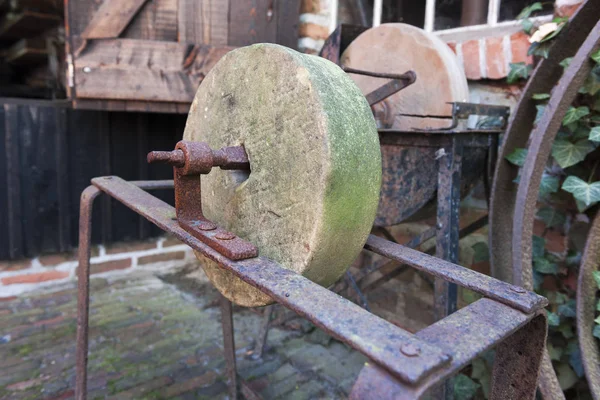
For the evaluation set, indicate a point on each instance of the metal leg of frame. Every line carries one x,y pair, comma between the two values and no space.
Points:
518,362
447,235
229,345
261,341
83,289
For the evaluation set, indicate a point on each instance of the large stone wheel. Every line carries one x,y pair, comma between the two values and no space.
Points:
310,199
410,173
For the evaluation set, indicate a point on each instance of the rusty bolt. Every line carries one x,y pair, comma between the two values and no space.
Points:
225,236
175,158
517,289
410,350
204,225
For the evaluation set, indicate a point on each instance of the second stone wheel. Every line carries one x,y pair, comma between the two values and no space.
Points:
311,197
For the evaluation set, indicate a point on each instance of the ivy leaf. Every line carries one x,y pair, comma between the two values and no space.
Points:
575,362
596,331
568,309
555,352
549,184
595,134
543,266
566,331
541,48
596,57
465,388
566,62
518,71
551,217
540,112
537,6
581,207
596,275
591,85
540,96
538,246
553,319
527,25
567,153
587,193
575,114
517,157
566,376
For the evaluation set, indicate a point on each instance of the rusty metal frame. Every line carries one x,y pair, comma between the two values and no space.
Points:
410,363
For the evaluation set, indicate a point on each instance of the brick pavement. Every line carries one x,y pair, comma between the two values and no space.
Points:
154,338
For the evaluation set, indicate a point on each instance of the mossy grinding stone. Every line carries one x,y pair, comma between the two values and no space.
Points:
311,196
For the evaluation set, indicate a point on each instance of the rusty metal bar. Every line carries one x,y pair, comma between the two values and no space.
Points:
466,334
229,345
83,280
83,287
511,295
365,332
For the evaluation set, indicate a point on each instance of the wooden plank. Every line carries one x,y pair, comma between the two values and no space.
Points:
144,70
111,19
252,21
13,183
28,52
189,21
26,24
157,20
204,21
132,106
288,16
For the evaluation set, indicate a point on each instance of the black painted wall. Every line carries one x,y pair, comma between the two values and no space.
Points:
49,153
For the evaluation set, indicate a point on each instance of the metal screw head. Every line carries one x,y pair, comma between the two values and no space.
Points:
225,236
517,289
410,350
204,225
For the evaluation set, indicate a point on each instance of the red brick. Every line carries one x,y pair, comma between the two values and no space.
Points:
16,265
110,266
495,61
452,46
35,278
471,60
162,257
55,259
566,10
127,247
519,45
194,383
62,396
310,6
9,298
313,31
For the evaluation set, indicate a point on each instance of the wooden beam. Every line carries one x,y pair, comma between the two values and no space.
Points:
156,20
111,19
26,24
204,21
28,52
143,70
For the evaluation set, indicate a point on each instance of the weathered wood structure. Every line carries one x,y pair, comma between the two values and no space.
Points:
150,55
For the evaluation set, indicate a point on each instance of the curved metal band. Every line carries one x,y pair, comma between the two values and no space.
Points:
503,193
531,175
586,308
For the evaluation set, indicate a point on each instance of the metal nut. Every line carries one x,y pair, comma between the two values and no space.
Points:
410,350
225,236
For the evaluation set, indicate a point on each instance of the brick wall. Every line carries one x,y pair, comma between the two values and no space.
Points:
315,16
17,277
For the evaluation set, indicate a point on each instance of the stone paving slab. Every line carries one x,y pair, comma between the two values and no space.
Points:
153,338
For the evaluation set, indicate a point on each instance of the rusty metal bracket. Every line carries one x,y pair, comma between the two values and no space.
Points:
190,160
409,362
